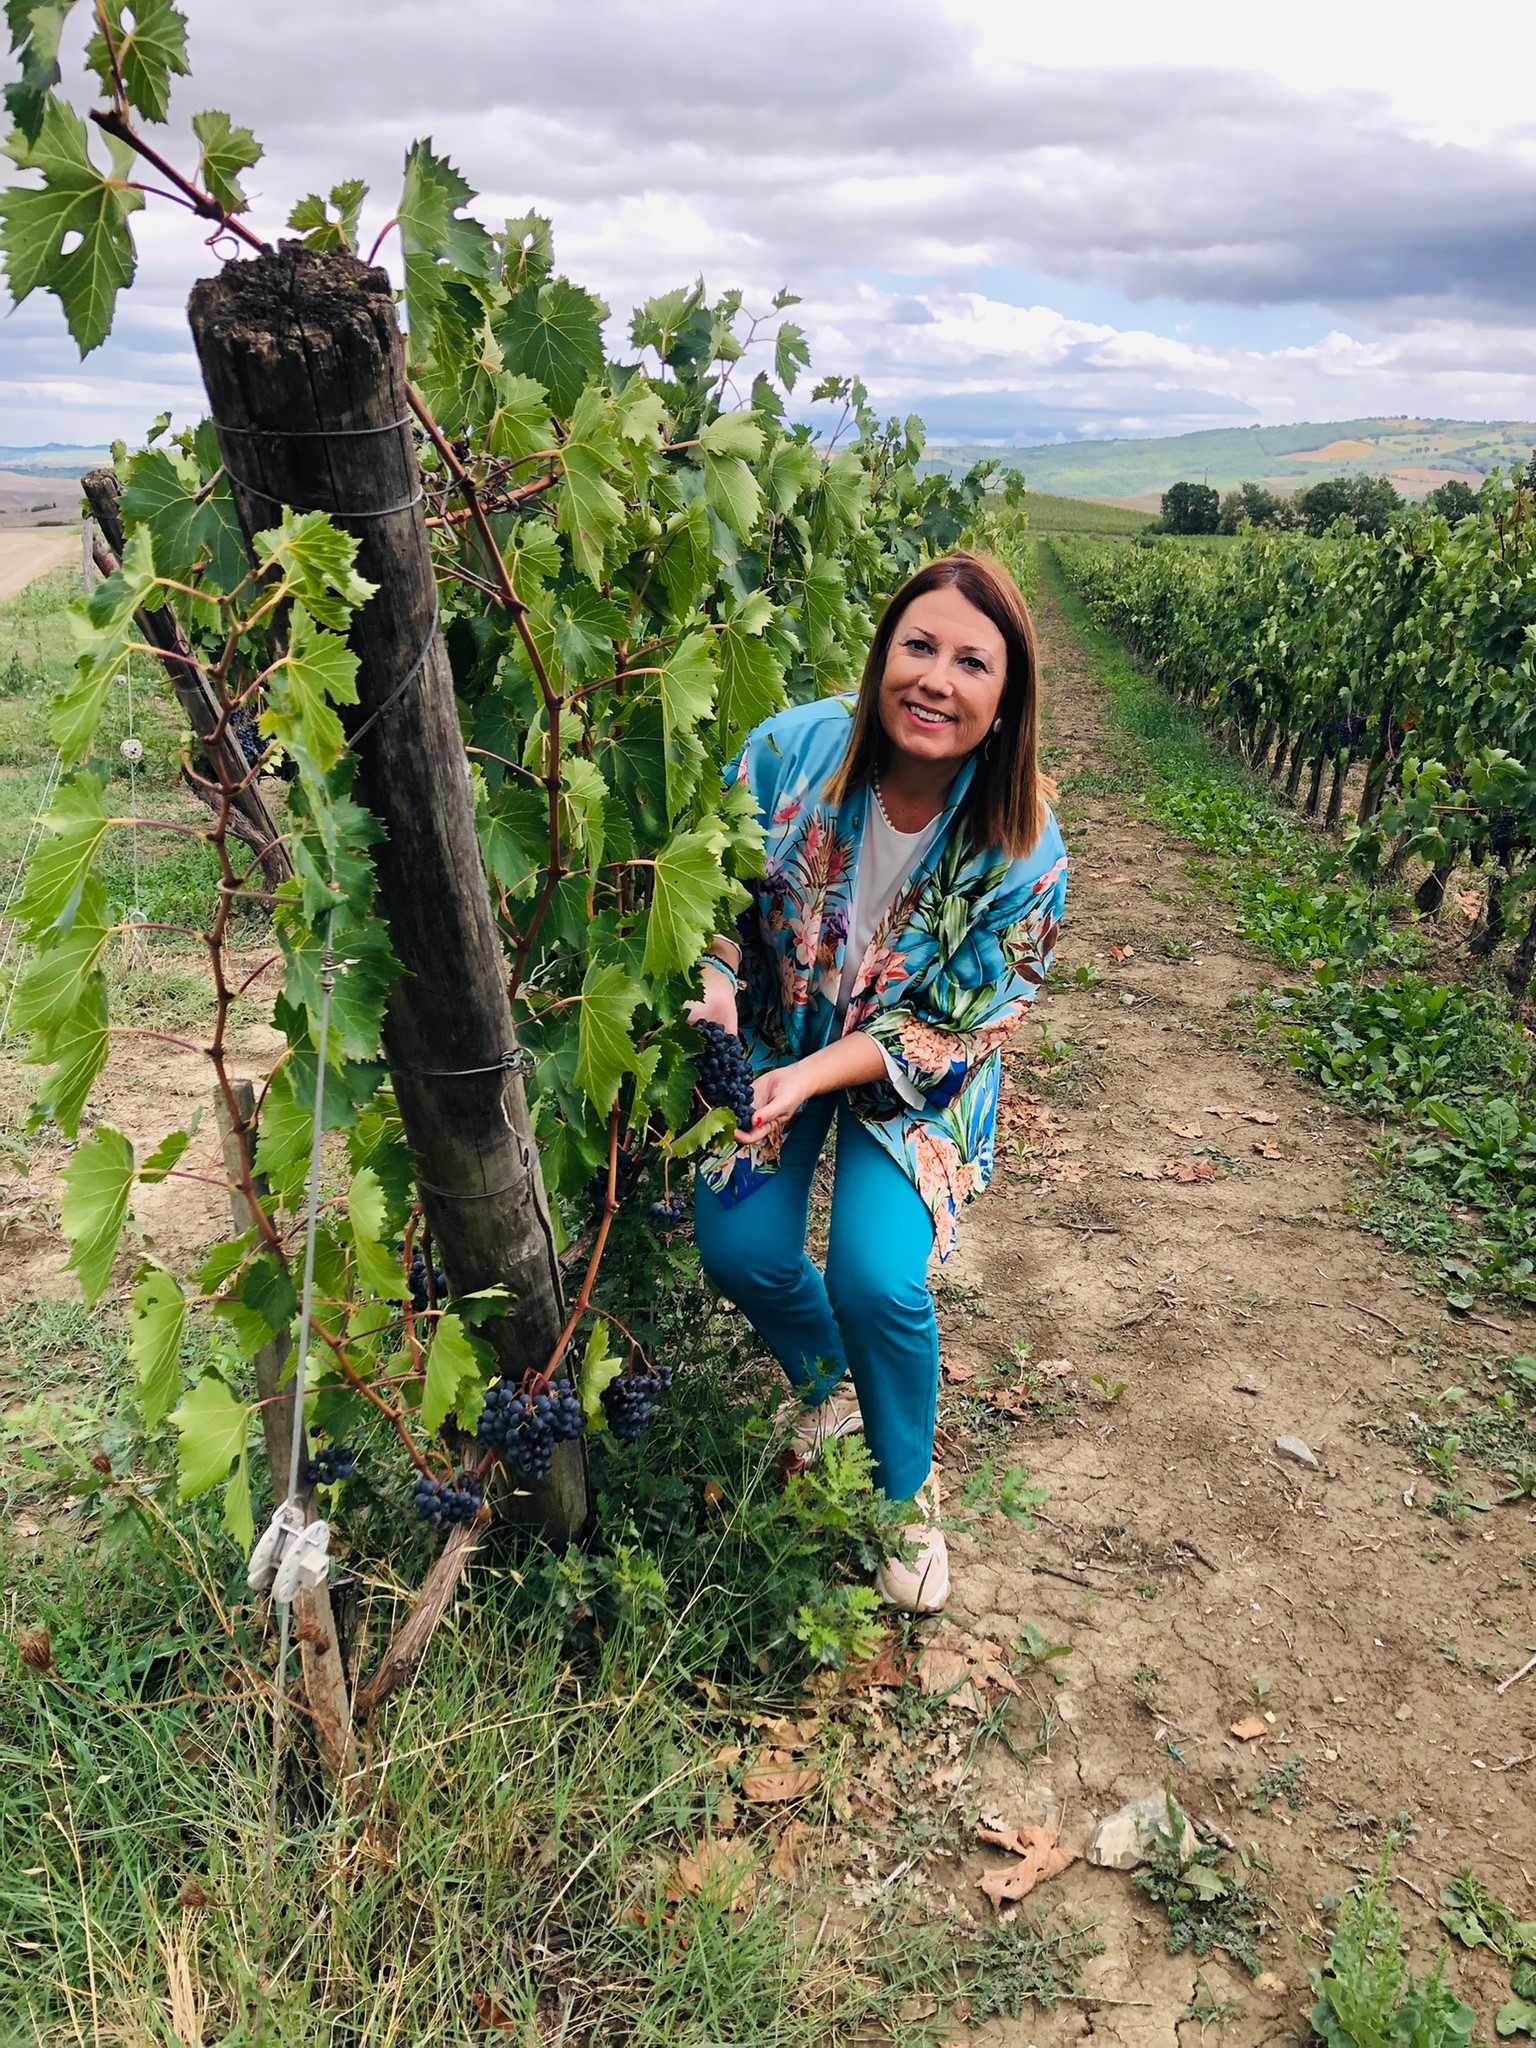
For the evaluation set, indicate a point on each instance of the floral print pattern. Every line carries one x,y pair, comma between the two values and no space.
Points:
956,961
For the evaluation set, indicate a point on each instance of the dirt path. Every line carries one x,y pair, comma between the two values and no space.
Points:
1198,1576
27,552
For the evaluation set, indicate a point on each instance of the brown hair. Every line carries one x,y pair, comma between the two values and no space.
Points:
1005,804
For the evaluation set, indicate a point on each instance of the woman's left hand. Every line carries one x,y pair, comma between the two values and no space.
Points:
776,1096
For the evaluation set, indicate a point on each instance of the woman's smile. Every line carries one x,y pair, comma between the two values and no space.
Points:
943,681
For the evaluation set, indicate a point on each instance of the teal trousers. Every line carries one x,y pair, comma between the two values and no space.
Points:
871,1315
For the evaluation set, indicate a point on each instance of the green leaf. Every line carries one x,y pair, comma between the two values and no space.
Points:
78,1047
586,626
368,1217
520,426
792,469
605,1051
156,1326
103,631
734,433
554,334
226,152
74,200
687,690
36,26
315,560
54,983
713,1124
436,239
165,1156
213,1427
365,968
591,511
238,1519
688,885
313,218
56,878
791,354
163,494
318,670
95,1205
1516,2016
149,53
599,1369
513,822
732,490
751,683
457,1376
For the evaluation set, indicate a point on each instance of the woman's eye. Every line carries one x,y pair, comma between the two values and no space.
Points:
919,646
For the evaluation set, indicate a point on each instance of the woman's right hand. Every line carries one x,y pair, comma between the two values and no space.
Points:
718,1006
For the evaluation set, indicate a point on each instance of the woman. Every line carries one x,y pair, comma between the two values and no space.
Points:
909,905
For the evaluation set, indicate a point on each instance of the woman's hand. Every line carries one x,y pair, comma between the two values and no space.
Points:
776,1096
719,1004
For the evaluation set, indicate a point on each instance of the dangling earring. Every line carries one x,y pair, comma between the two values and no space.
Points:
997,726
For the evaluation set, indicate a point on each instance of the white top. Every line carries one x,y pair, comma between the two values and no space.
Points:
886,861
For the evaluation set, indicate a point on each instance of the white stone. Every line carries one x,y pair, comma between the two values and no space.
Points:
1300,1453
1122,1841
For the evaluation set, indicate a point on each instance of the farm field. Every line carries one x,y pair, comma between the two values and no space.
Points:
1169,1274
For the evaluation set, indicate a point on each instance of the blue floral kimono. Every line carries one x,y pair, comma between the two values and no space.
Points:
956,960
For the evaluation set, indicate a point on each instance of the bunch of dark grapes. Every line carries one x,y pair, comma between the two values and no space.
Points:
629,1402
526,1427
438,1502
330,1465
416,1280
242,730
626,1173
1503,834
725,1077
668,1214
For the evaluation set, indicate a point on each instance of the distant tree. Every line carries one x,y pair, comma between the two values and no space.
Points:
1190,508
1258,505
1529,479
1453,499
1369,501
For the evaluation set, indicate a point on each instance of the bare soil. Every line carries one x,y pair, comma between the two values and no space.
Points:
27,552
1179,1555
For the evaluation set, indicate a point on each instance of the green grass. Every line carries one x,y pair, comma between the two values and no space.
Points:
1049,514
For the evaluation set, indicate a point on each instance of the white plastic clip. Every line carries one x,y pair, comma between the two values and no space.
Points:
287,1521
306,1563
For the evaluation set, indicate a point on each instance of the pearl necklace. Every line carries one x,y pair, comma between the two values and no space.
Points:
874,784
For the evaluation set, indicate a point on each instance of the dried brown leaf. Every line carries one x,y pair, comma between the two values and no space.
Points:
1041,1856
1268,1148
1188,1171
791,1847
1185,1130
769,1787
1260,1116
1250,1728
713,1865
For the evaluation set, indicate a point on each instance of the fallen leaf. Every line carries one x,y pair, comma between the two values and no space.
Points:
1141,1173
1185,1130
1122,952
1260,1116
1470,903
1051,1369
1222,1109
716,1866
775,1787
1040,1854
790,1849
1250,1728
714,1495
956,1372
1188,1171
1267,1148
490,2014
940,1670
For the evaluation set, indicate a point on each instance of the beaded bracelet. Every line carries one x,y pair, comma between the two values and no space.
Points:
722,967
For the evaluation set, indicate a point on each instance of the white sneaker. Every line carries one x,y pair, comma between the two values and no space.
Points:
921,1587
811,1429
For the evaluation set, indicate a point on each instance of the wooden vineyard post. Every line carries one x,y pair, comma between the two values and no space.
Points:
314,1623
304,366
250,820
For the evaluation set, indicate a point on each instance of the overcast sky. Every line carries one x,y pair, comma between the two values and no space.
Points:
1025,222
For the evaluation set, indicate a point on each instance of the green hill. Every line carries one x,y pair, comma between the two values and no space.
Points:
1416,453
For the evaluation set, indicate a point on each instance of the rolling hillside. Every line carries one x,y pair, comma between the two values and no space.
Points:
1416,453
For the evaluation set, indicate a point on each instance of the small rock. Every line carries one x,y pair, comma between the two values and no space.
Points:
1122,1841
1267,1982
1404,1713
1300,1453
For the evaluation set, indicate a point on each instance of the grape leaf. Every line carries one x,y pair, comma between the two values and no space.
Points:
586,626
364,969
586,801
103,632
316,562
687,690
751,683
791,354
36,26
318,670
591,511
158,1320
605,1052
457,1375
792,468
436,238
529,244
238,1519
212,1427
713,1124
312,218
75,200
367,1215
514,831
734,433
73,832
149,52
165,1156
95,1205
599,1369
78,1046
554,334
53,983
520,424
184,527
226,152
688,884
732,489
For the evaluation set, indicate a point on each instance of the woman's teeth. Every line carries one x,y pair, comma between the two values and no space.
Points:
929,717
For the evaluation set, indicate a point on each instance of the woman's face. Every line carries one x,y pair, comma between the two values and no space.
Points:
943,682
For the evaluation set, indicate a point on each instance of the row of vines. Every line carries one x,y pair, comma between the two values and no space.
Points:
1411,658
640,554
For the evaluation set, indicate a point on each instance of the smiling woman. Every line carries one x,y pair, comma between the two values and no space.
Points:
906,915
